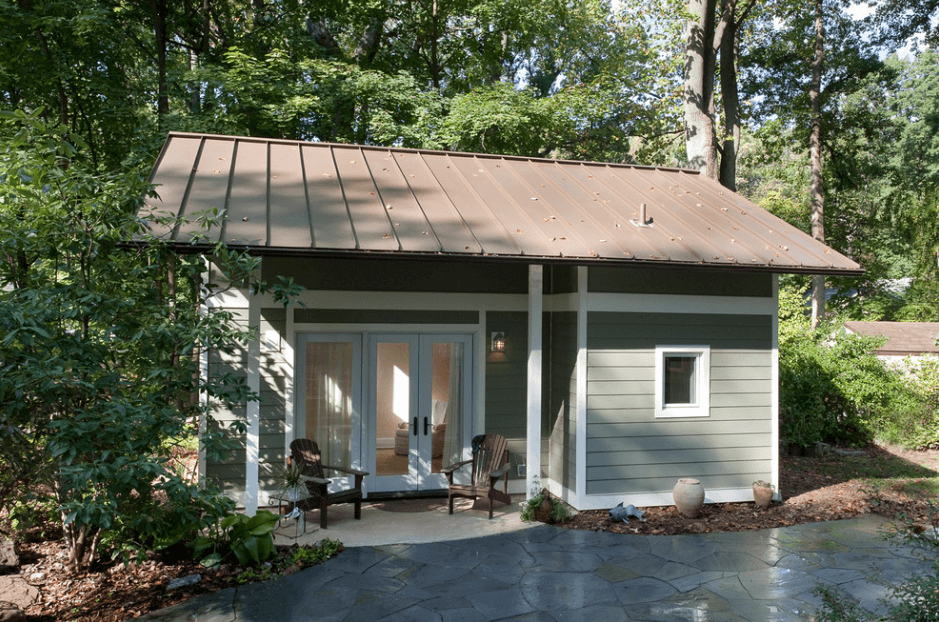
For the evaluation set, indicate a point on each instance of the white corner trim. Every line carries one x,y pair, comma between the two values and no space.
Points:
479,365
774,391
535,306
665,303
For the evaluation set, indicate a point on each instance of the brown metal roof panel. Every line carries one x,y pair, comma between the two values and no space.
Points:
411,227
794,247
209,188
571,205
329,216
247,217
665,236
530,194
704,225
525,234
171,176
372,226
448,226
487,231
610,211
289,218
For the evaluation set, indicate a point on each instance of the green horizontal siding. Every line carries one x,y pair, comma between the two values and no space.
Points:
630,451
693,282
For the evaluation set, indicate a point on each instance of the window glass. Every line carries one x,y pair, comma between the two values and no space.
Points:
680,379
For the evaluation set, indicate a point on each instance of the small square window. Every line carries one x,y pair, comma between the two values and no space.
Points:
682,378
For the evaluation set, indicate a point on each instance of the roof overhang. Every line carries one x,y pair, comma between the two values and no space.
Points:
289,198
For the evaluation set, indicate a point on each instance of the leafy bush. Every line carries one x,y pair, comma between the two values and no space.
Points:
832,388
249,538
99,343
914,425
530,510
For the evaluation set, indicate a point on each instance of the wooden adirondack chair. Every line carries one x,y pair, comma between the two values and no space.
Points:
306,453
489,463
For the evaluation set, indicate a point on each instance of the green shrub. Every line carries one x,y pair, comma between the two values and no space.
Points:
249,538
832,387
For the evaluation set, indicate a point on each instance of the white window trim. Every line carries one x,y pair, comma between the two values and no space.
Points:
702,382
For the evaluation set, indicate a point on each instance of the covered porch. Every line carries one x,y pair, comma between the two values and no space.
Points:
405,521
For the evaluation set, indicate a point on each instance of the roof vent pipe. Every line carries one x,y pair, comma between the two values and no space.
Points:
643,220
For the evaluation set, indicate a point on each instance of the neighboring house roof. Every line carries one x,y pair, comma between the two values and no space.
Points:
289,197
903,338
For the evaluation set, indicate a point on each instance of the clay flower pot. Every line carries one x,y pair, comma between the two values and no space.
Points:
762,494
689,497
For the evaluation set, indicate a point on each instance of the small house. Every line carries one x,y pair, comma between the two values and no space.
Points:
617,324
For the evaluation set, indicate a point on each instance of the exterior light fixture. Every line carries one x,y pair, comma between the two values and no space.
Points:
498,342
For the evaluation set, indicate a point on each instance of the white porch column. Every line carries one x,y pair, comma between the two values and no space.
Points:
535,306
580,453
254,407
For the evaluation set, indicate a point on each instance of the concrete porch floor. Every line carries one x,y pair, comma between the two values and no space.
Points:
407,521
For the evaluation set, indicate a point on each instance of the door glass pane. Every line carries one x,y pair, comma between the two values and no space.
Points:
329,395
447,405
393,408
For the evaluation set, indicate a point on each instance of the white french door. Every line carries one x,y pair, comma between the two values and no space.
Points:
419,404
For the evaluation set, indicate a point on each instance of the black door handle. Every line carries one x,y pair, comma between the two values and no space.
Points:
415,426
425,426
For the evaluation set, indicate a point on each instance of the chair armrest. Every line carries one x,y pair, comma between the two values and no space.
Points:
319,480
454,467
345,470
494,475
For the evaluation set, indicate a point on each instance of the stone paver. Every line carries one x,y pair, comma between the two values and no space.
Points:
545,574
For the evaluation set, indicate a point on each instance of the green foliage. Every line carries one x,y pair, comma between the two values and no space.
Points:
97,350
915,423
832,386
250,539
532,507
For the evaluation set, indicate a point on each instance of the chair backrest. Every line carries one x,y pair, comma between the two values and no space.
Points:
305,453
492,456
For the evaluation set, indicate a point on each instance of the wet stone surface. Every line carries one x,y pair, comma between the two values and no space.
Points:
549,574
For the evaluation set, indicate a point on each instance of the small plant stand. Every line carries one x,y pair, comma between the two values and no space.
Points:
285,505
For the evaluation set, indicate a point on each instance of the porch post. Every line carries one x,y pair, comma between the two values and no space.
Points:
580,453
535,307
253,410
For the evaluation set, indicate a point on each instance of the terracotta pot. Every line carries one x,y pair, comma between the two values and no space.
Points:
762,496
689,497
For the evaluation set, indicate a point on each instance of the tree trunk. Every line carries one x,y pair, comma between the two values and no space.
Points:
815,154
158,7
700,136
730,96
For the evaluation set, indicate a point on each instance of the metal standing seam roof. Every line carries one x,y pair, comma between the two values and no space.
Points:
903,338
290,197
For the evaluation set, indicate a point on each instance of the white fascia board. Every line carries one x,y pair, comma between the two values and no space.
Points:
406,301
664,303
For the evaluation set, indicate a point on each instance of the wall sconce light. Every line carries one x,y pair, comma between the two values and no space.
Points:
498,342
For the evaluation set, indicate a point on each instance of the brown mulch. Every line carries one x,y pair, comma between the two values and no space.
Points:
810,495
113,592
